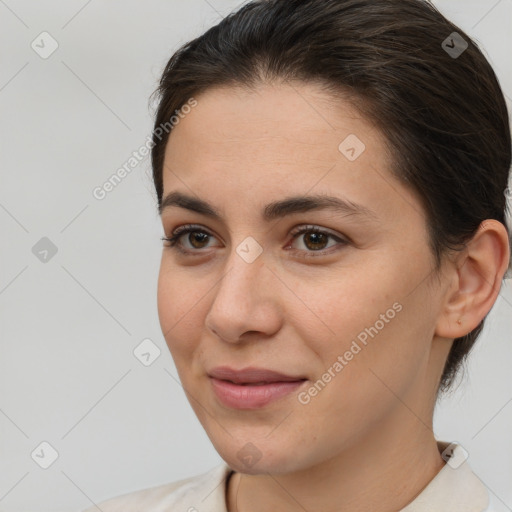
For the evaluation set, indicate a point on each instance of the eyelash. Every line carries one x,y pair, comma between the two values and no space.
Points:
189,228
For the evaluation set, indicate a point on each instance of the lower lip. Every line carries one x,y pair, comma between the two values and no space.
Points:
252,397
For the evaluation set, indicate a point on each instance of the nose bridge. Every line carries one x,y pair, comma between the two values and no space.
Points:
236,307
245,269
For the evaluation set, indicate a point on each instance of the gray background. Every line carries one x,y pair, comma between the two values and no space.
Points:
68,326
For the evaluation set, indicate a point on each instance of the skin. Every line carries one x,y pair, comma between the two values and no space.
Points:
365,441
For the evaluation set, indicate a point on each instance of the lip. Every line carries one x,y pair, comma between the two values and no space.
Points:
239,389
251,375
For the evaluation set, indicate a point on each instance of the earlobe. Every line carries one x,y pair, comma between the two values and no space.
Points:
477,277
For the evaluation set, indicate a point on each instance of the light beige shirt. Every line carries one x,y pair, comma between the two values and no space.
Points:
454,489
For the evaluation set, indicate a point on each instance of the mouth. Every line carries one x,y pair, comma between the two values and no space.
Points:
252,388
250,383
252,375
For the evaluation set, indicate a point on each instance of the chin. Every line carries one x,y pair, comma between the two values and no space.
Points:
260,457
260,467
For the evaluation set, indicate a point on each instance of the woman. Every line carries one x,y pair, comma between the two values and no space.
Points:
331,178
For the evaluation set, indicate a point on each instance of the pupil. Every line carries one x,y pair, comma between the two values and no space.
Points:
195,235
312,236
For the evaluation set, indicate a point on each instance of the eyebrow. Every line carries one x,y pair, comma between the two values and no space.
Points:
275,209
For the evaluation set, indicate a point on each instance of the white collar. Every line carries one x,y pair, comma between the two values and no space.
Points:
455,488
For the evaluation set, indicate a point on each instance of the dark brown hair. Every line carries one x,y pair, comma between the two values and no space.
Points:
443,115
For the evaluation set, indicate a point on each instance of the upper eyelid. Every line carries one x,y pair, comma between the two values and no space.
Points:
197,227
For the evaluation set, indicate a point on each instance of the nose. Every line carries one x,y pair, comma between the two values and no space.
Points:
246,301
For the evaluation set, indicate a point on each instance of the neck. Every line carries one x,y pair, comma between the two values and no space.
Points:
385,471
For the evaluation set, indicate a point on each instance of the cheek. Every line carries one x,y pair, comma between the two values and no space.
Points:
178,291
344,307
359,384
167,300
376,326
178,308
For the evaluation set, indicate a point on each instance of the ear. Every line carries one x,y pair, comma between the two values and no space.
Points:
476,278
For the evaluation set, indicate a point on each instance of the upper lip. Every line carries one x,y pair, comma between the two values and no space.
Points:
250,375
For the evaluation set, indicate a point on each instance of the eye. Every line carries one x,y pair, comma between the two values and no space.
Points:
197,238
315,241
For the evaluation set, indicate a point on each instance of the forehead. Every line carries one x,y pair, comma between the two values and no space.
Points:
301,116
277,140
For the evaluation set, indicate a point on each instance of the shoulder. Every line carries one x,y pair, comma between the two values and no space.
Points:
455,488
200,492
493,506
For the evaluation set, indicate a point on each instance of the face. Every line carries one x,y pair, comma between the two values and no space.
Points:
346,308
